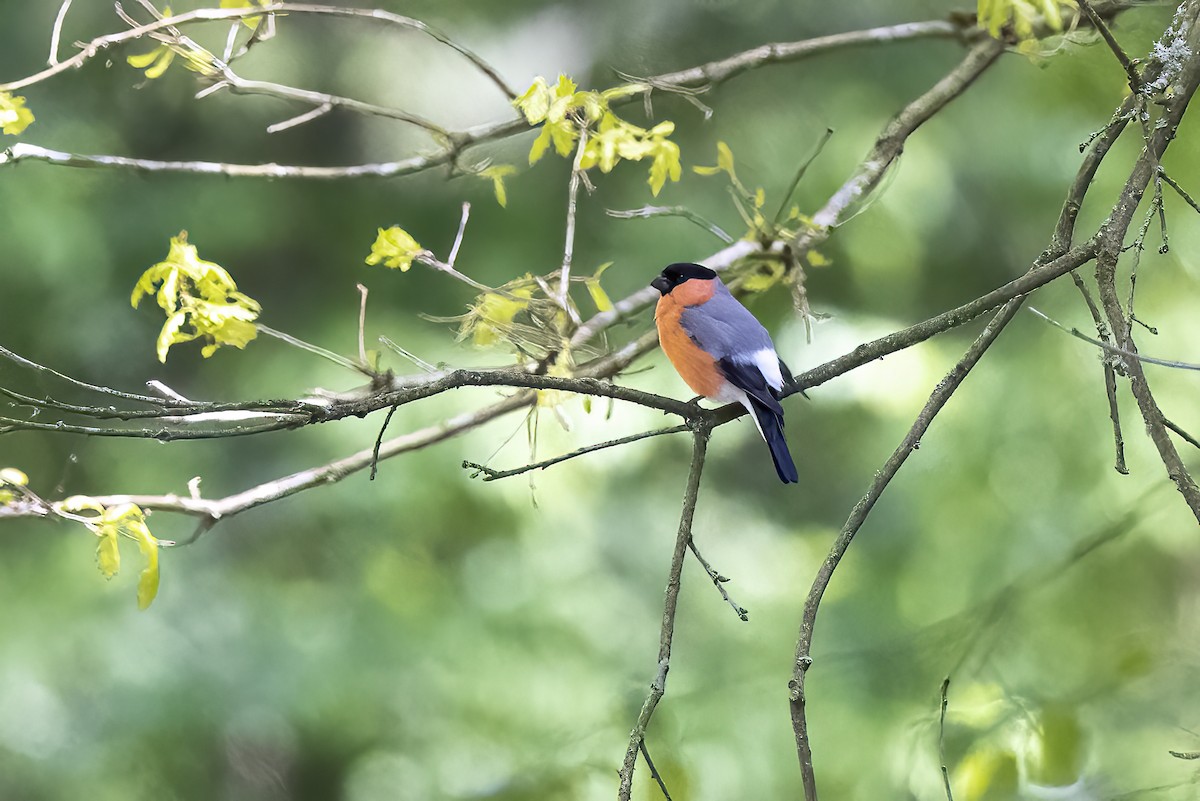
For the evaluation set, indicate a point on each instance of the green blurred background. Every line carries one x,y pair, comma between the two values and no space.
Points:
428,636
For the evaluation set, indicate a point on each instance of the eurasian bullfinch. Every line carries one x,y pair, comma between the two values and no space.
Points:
723,352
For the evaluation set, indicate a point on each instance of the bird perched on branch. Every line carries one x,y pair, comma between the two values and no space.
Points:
723,353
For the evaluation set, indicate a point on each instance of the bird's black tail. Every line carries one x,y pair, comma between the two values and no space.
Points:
770,423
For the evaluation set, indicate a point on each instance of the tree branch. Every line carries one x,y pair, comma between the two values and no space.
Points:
702,77
1111,241
659,685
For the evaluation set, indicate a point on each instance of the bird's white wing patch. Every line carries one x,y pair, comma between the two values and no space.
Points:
767,362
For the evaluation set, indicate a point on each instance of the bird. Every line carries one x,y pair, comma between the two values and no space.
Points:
723,352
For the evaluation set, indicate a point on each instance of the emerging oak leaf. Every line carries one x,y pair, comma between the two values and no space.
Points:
111,523
497,173
200,299
14,117
396,248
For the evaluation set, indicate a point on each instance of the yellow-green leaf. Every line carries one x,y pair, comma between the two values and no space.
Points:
497,174
155,62
599,296
396,248
535,102
108,555
200,300
249,22
14,117
14,477
494,313
147,588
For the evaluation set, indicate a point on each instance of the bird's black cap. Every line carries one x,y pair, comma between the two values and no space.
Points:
675,274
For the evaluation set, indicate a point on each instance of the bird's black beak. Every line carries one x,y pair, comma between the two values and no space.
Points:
662,284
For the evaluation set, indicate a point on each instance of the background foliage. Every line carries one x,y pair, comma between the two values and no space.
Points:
430,636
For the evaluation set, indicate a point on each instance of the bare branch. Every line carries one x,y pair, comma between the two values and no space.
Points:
458,238
659,685
102,43
564,277
646,212
56,33
1131,74
705,75
490,474
942,738
937,400
1110,375
890,142
1113,349
300,119
1111,241
653,770
719,582
267,492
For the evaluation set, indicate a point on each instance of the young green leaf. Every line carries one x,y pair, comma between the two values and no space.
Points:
497,173
200,299
14,117
108,555
395,248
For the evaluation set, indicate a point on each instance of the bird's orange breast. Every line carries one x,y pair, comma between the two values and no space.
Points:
695,366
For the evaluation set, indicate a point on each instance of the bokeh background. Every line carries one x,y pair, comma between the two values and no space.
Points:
429,636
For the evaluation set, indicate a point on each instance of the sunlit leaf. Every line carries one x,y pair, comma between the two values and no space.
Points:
395,247
108,555
14,117
147,588
535,101
249,22
200,299
13,476
599,296
497,173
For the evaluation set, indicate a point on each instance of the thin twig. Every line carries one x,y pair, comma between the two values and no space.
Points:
654,774
1110,375
705,75
646,212
130,396
799,176
362,326
412,357
458,238
1131,73
379,441
324,353
937,400
564,288
1113,349
659,685
91,49
1178,189
719,582
490,474
56,33
300,119
1185,435
942,739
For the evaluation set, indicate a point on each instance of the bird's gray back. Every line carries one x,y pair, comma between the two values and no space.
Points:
724,327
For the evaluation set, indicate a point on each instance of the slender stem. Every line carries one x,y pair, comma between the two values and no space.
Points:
56,33
803,660
942,738
719,582
490,474
659,685
341,361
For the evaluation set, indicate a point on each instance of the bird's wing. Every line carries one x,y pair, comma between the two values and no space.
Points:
738,342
